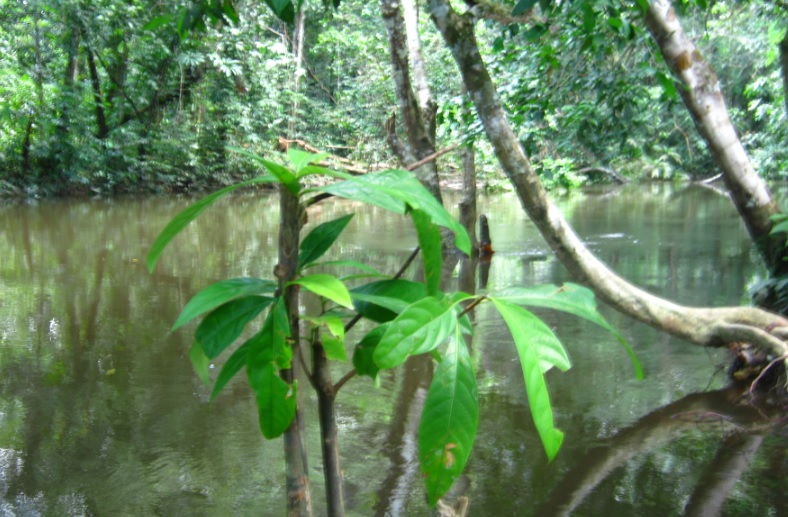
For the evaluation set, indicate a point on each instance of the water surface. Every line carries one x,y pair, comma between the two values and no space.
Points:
101,413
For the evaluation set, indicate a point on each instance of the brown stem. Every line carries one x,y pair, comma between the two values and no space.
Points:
299,500
326,395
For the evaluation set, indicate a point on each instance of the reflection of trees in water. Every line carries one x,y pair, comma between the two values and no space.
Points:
748,425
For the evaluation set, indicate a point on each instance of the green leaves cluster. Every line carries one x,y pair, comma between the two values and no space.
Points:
413,318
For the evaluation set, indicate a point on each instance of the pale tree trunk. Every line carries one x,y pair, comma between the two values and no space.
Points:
298,58
700,90
418,116
703,326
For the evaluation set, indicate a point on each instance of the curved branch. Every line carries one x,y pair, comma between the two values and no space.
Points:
703,326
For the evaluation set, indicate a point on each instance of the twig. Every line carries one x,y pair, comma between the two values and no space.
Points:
763,372
431,157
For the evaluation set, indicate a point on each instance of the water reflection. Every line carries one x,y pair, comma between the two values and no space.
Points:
100,413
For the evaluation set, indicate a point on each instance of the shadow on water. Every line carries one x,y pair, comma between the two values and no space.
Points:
101,414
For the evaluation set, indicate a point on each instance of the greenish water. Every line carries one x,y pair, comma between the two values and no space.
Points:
101,414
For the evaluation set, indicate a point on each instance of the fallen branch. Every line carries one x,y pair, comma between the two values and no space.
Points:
618,178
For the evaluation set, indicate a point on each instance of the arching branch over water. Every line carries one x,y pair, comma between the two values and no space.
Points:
703,326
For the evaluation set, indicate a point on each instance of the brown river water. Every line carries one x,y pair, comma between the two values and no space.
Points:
101,413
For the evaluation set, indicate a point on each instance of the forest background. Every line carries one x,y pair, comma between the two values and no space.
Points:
109,96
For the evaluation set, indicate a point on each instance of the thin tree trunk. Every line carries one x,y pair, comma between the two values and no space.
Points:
420,142
98,98
784,67
704,326
468,201
298,57
700,90
299,498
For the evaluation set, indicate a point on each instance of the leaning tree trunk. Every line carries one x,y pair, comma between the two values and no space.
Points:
704,326
700,90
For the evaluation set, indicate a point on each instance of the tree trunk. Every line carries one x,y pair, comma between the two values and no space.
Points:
98,98
421,142
784,67
704,326
298,59
299,499
700,90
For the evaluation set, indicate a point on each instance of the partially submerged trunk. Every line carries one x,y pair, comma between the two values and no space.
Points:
700,90
703,326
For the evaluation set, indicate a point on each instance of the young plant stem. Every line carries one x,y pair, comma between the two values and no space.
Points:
326,396
299,498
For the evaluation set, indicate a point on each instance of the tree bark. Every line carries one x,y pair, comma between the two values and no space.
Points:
784,67
703,326
98,99
421,142
701,93
299,499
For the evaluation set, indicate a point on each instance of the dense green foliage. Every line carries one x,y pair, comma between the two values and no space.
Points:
111,96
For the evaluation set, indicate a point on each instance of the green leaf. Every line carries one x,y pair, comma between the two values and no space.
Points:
157,22
283,174
320,239
537,348
334,339
573,299
420,328
301,159
268,352
200,362
180,221
276,400
232,366
431,250
396,190
383,310
668,86
363,360
226,323
449,421
327,286
219,293
283,9
522,6
779,227
334,348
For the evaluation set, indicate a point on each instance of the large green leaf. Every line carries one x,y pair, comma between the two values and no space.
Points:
538,349
572,298
276,399
232,366
399,191
180,221
220,293
420,328
404,290
363,360
320,239
327,286
431,250
225,324
449,420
